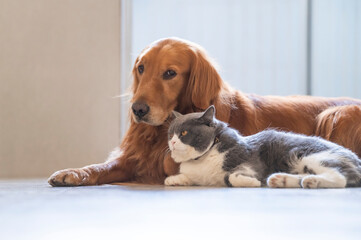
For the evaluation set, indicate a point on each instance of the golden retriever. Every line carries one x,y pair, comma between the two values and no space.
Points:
174,74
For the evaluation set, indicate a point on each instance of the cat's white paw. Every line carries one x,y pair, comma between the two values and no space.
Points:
170,181
177,180
277,180
238,180
284,180
310,182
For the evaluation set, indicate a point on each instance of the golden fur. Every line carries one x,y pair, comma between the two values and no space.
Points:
144,157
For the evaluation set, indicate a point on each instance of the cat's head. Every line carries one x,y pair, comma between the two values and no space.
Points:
191,135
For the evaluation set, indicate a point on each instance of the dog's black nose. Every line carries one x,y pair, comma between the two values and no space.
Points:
140,109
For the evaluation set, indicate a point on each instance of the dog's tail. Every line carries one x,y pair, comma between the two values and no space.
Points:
342,125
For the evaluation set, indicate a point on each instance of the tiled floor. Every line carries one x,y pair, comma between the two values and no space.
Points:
31,209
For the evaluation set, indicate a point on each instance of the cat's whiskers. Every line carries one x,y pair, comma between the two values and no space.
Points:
166,150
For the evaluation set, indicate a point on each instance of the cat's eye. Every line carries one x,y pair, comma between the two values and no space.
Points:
184,133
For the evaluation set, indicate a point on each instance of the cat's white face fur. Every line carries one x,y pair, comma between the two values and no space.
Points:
181,152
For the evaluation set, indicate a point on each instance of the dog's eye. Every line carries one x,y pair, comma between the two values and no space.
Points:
169,74
141,69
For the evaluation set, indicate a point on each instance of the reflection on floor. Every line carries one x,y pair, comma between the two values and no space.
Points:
31,209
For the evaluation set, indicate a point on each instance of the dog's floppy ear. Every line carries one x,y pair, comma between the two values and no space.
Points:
204,81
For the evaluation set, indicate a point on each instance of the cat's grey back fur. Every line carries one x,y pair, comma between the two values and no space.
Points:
273,151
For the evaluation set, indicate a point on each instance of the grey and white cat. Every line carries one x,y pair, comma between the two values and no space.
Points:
211,153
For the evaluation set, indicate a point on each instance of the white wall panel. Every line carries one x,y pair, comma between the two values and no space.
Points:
336,50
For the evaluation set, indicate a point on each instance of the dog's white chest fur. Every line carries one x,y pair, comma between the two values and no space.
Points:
207,170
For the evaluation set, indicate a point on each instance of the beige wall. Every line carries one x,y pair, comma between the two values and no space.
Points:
59,71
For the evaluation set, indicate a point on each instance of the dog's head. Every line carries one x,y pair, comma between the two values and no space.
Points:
172,74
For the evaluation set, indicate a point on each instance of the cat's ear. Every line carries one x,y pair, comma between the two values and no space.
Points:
209,114
176,114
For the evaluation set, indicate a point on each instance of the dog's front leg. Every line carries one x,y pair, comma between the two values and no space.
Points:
170,167
116,169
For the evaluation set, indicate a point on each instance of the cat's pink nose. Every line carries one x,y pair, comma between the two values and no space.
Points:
172,142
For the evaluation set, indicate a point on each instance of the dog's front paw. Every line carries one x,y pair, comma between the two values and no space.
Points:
69,177
177,180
